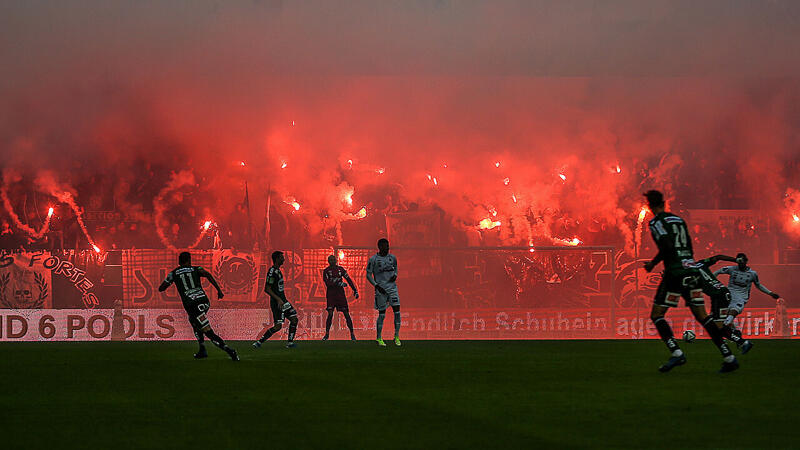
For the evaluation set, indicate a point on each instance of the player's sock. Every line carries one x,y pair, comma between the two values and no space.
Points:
349,321
216,340
728,320
397,323
716,337
328,323
665,331
292,330
379,325
268,334
200,339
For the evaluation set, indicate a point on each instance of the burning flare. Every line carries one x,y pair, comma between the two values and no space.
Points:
488,224
642,214
571,242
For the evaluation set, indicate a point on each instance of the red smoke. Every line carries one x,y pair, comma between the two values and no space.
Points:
535,153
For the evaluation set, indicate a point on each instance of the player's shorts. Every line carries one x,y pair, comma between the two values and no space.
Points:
278,314
382,301
720,303
719,294
736,306
680,283
338,302
197,313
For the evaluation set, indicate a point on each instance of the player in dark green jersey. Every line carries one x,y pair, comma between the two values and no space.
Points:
187,279
680,279
278,304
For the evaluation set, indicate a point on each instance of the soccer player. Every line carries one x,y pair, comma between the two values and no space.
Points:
680,279
187,280
741,278
334,277
382,273
277,301
720,300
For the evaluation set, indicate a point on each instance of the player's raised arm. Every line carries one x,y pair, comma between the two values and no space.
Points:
763,288
725,270
207,275
716,258
166,283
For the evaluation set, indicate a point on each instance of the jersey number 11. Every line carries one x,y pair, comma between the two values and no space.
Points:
187,281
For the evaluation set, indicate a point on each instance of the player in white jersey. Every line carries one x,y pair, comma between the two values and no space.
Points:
382,273
739,283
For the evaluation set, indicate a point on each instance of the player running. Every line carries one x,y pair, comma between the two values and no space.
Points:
680,279
382,273
334,277
187,280
720,300
741,278
277,301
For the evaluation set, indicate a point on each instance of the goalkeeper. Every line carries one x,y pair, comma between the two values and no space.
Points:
336,278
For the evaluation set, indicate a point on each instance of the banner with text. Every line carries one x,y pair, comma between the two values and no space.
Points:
248,324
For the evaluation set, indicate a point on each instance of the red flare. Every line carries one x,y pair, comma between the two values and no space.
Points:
50,212
96,248
340,255
562,176
506,181
361,213
571,242
284,164
795,218
488,224
497,164
642,214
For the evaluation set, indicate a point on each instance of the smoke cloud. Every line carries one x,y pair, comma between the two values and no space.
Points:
550,118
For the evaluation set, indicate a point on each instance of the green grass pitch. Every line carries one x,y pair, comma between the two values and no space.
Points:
426,394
